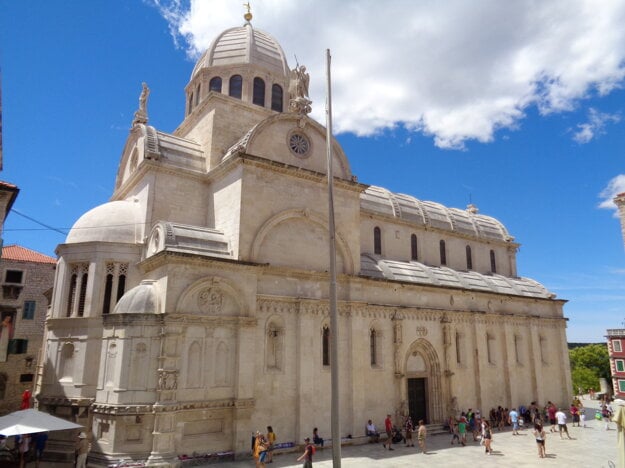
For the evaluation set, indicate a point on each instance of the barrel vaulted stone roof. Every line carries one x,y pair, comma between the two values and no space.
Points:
415,272
432,214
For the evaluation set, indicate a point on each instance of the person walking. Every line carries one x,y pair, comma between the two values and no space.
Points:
82,449
307,456
513,418
408,428
561,418
421,434
388,427
271,440
539,434
462,429
487,437
551,415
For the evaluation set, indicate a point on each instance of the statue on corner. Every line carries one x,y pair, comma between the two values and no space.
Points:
141,116
298,91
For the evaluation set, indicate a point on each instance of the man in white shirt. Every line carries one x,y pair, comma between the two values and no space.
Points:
561,417
372,432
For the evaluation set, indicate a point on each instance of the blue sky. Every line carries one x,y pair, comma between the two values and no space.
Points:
517,110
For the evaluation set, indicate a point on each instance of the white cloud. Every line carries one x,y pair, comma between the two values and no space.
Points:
595,125
614,187
455,70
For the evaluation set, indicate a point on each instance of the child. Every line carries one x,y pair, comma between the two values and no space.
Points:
540,435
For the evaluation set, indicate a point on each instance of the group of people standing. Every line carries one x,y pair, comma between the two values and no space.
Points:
394,434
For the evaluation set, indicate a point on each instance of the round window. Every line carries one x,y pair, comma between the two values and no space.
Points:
299,144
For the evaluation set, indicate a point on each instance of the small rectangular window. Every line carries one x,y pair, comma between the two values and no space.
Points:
18,346
620,365
29,310
621,385
26,378
13,276
616,346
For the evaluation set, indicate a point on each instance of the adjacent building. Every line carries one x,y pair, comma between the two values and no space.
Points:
192,308
27,279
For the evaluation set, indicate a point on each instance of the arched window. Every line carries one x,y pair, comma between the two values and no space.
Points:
276,98
377,241
71,294
275,345
83,295
115,285
190,106
215,84
197,94
490,350
325,337
66,368
373,347
236,86
493,262
259,92
443,252
194,366
413,248
222,365
518,352
469,258
459,348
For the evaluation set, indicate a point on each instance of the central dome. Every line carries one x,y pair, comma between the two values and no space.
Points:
244,45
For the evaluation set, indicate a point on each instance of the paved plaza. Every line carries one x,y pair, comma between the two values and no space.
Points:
592,446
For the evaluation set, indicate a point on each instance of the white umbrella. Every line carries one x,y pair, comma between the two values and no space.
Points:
29,421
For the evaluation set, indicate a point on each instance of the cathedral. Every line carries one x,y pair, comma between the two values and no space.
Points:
193,308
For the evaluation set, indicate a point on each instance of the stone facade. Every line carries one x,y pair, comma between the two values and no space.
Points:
192,309
27,279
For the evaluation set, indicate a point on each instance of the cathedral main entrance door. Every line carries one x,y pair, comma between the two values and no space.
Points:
417,399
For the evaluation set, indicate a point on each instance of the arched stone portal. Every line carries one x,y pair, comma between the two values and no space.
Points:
423,390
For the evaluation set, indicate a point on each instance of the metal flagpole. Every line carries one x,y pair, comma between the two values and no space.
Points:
334,325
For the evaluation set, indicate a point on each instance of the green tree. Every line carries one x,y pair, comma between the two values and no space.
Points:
588,364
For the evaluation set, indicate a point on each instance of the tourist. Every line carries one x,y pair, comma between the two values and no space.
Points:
561,418
408,427
307,456
582,417
551,415
271,440
372,432
260,450
388,427
462,429
574,414
487,437
82,449
513,418
40,445
539,434
317,440
421,434
23,447
606,413
453,428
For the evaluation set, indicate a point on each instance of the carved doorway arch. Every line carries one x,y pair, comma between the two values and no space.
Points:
423,374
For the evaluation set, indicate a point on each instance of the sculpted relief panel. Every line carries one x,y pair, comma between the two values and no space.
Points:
210,297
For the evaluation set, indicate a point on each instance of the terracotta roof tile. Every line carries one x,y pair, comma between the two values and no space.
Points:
22,254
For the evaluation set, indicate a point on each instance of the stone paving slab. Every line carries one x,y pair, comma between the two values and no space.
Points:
592,446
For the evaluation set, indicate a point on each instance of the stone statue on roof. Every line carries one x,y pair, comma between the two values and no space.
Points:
298,90
141,116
